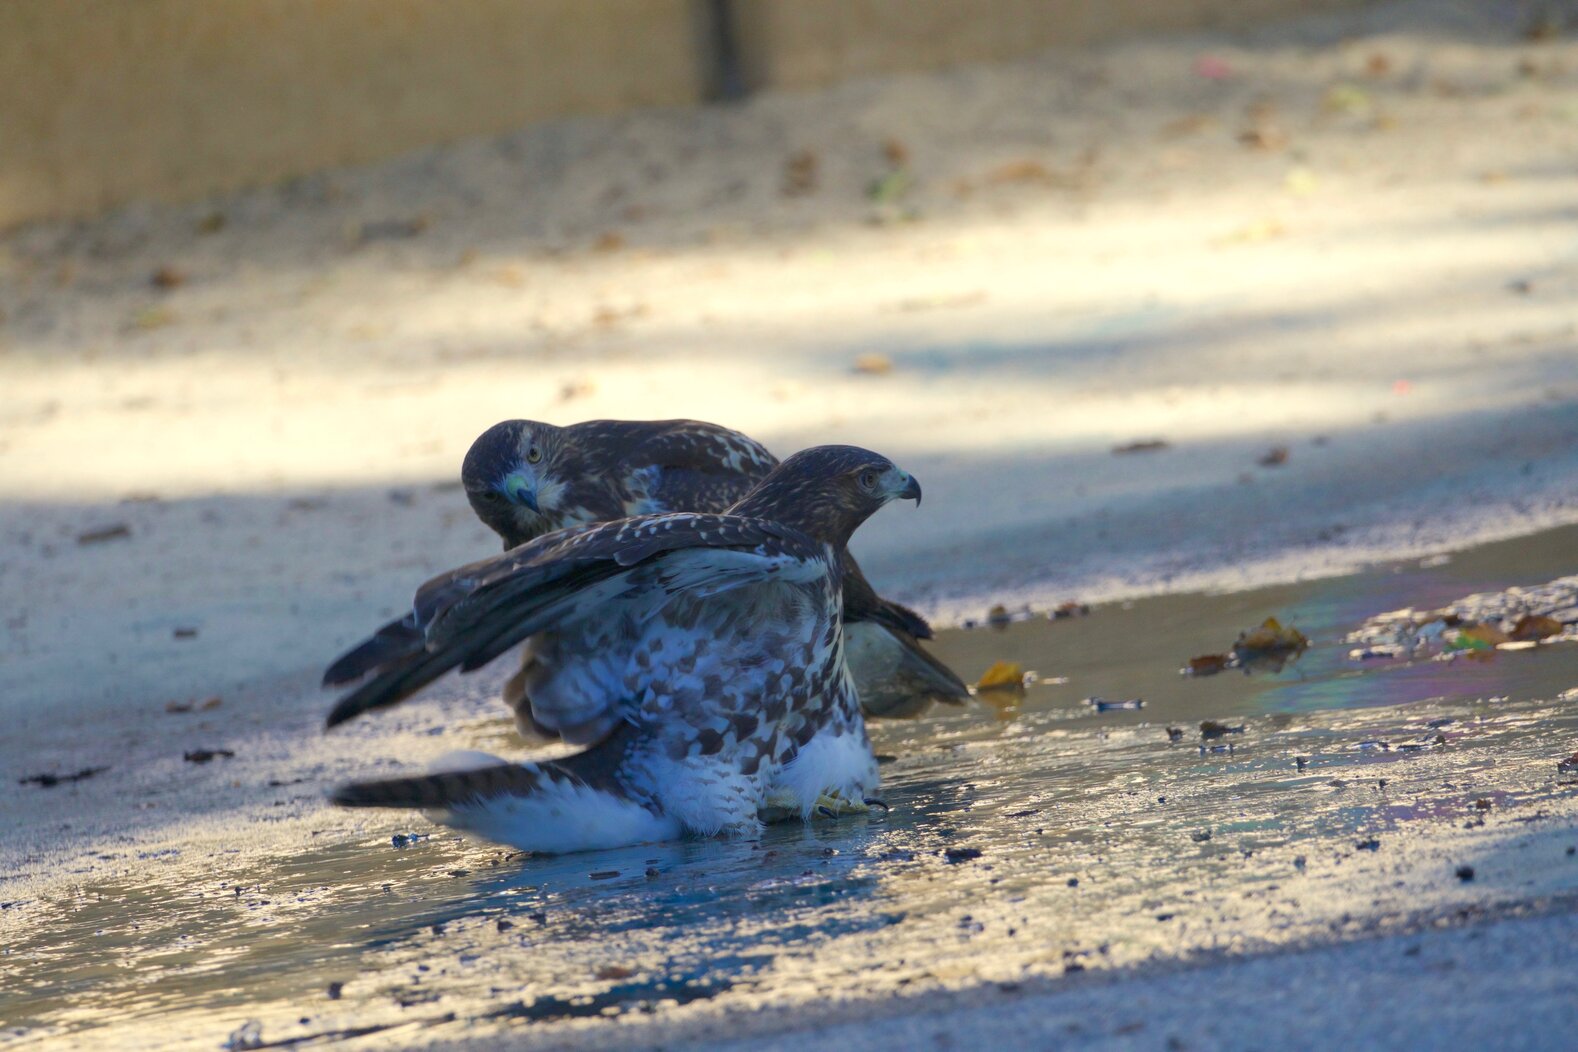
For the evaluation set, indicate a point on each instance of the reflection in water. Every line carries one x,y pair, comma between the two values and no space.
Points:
1343,805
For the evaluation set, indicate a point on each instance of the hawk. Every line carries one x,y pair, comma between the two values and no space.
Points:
701,656
525,478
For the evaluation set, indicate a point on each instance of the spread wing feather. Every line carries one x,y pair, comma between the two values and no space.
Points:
470,615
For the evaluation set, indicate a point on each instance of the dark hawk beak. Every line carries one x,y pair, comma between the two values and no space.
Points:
518,491
911,491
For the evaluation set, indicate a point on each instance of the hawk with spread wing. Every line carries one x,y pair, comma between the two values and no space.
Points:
700,656
525,478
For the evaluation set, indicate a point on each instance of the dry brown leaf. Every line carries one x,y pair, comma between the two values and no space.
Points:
1270,639
1146,445
801,173
1003,675
1024,171
1208,664
1535,627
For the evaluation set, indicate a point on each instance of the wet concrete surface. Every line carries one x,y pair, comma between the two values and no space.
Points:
1032,840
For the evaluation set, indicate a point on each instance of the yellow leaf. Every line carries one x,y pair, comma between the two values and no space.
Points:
1003,675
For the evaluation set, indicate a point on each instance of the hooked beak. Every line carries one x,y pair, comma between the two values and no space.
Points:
518,491
910,489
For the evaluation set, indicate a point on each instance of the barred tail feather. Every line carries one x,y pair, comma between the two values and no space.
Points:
544,808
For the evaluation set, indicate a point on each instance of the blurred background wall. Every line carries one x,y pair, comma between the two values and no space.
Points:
108,101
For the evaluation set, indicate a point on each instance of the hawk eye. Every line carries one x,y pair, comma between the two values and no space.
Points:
533,455
868,480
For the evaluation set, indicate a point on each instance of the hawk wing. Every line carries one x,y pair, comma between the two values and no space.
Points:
626,568
672,465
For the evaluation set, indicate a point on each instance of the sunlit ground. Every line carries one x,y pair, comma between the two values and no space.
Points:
1346,804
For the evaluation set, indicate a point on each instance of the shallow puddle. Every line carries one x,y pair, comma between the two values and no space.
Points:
1030,836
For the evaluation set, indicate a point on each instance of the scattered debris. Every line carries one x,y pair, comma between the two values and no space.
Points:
205,755
609,241
603,874
1536,627
1003,675
954,855
1200,836
168,277
1208,664
1070,608
1210,729
615,971
1371,844
49,781
1270,645
801,173
1274,457
1144,445
873,365
184,632
1465,873
1103,705
114,532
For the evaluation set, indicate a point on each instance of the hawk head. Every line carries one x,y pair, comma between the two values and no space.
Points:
514,480
828,491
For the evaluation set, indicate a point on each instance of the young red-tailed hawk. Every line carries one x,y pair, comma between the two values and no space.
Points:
525,479
700,657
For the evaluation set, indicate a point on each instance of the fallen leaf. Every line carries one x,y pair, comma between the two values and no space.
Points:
49,781
873,365
1003,675
1535,627
1208,664
1216,729
1477,636
115,532
168,277
1270,640
576,389
1024,171
801,173
204,755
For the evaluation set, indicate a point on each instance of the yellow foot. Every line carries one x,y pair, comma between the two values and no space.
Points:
835,805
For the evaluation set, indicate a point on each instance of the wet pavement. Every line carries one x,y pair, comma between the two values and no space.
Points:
1030,837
